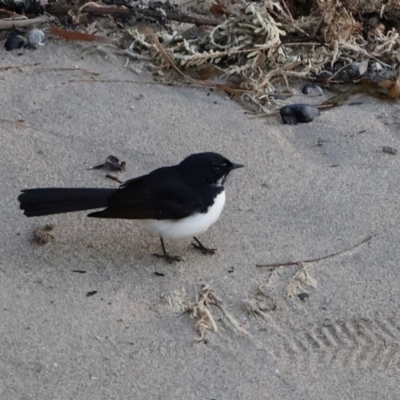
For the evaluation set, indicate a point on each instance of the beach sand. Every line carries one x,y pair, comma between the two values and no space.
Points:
308,191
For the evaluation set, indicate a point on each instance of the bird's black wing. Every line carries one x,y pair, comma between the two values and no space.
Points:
162,194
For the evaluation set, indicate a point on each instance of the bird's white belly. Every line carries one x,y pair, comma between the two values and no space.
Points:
190,226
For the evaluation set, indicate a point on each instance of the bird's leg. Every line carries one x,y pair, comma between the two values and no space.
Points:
202,248
168,257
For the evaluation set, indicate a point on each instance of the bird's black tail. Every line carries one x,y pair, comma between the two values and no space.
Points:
46,201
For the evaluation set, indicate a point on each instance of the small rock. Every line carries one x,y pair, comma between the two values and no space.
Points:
303,296
14,42
35,37
295,113
312,88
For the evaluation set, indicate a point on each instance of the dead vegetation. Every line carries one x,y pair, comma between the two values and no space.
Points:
200,309
260,47
251,50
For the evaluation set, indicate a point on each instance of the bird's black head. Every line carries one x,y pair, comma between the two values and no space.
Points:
210,167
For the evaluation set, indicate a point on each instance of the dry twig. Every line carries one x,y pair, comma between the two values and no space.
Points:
19,122
10,24
119,11
289,263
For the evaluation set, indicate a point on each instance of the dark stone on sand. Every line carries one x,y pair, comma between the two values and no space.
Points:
14,42
303,296
295,113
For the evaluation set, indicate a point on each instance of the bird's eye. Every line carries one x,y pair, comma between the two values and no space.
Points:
218,167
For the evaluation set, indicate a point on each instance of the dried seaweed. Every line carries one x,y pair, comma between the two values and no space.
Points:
251,49
299,282
201,311
261,47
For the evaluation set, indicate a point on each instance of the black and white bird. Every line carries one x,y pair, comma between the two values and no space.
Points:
176,202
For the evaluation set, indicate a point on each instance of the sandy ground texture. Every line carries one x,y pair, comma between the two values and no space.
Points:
308,191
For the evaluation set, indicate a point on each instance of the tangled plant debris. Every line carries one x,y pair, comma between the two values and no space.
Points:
253,49
200,310
261,47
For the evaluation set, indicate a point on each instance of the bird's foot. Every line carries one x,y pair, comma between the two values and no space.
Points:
168,258
199,246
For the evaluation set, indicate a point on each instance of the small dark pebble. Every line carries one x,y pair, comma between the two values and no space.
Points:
312,88
303,296
14,42
230,270
79,271
389,150
158,273
92,293
295,113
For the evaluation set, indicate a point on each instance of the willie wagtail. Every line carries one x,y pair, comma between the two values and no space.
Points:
174,202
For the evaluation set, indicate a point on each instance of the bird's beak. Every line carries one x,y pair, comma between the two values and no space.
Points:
235,166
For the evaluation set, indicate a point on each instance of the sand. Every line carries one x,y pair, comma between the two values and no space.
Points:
295,200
